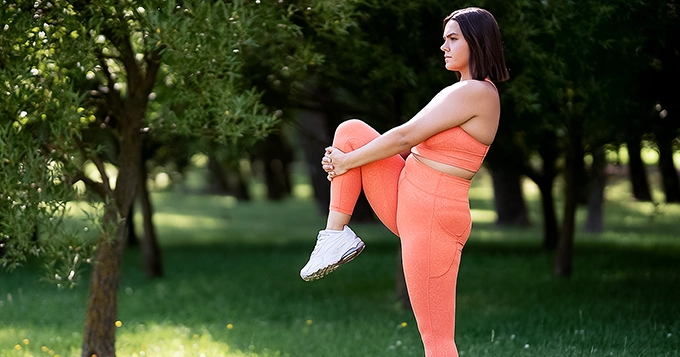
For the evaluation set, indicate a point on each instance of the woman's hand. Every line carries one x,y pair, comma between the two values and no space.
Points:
333,162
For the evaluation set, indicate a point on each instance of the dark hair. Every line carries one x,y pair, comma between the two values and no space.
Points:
480,30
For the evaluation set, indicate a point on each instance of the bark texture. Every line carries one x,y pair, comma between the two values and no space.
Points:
102,306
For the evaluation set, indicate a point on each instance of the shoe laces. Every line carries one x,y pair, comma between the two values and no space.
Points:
323,235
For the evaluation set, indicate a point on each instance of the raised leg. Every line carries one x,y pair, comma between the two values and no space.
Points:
337,244
379,180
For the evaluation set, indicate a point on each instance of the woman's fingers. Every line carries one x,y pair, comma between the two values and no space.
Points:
326,163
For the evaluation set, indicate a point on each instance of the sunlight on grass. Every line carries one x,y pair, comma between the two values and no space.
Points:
483,215
188,222
177,340
135,341
37,341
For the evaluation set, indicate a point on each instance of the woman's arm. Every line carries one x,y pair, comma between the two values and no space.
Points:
451,107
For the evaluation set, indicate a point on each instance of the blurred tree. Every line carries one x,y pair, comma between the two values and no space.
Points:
567,96
168,68
385,70
663,47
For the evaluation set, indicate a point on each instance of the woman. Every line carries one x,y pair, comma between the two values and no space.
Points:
424,198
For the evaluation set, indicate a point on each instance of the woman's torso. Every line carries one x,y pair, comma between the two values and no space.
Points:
459,151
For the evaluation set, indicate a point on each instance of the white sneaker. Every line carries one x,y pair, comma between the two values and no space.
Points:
333,248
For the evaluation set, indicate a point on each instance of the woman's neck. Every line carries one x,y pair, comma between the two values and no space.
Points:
465,74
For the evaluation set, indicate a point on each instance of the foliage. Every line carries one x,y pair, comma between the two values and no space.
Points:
385,69
73,69
36,91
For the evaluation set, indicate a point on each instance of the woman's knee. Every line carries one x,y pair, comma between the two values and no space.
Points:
350,127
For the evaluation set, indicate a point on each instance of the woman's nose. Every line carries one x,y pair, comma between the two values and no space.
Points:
444,48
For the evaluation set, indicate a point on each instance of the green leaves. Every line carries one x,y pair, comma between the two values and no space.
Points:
80,76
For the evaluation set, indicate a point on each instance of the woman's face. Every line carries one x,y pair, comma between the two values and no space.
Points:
456,50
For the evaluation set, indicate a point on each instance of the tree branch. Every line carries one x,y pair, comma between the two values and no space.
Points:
97,187
113,95
127,54
153,64
99,164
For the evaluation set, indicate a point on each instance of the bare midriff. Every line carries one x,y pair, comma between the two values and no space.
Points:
445,168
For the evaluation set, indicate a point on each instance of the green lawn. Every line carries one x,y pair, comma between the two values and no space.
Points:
232,289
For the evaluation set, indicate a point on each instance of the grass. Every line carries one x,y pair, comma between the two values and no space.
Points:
232,289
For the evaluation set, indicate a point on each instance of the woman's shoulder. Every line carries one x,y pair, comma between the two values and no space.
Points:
472,89
474,85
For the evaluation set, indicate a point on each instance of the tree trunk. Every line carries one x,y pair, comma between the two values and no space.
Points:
132,239
669,174
550,228
240,187
506,160
153,265
574,160
545,180
99,336
102,306
277,157
507,187
598,181
217,179
313,131
636,170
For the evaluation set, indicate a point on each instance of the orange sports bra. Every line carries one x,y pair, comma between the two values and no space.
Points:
453,147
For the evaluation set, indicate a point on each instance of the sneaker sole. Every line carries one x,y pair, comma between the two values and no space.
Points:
351,254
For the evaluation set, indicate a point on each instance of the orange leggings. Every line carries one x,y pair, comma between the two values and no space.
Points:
429,211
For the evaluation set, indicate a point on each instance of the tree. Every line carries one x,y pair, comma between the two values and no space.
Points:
664,50
568,95
73,67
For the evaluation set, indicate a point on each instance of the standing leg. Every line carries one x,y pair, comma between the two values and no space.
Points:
434,222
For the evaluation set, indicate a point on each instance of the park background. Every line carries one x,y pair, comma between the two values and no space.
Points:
160,186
